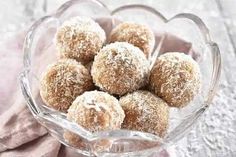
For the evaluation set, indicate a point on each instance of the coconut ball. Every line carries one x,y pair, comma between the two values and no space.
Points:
80,38
120,68
136,34
95,111
62,82
145,112
176,78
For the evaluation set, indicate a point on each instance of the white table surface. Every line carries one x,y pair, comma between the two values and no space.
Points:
215,133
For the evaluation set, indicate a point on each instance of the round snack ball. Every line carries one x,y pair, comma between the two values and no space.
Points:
136,34
145,112
120,68
95,111
176,78
62,82
80,38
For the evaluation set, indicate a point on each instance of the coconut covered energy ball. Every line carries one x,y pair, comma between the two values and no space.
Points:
80,38
136,34
146,112
120,68
62,82
176,78
95,111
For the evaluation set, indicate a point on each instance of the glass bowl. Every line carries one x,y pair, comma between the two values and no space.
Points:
184,32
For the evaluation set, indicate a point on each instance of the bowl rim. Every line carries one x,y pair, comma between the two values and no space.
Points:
40,112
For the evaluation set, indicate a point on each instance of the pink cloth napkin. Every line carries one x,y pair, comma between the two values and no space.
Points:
20,133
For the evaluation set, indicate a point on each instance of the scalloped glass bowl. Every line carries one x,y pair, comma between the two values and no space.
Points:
39,51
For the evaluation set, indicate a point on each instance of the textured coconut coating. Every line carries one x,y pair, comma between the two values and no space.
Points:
96,111
136,34
120,68
145,112
80,38
62,82
176,78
